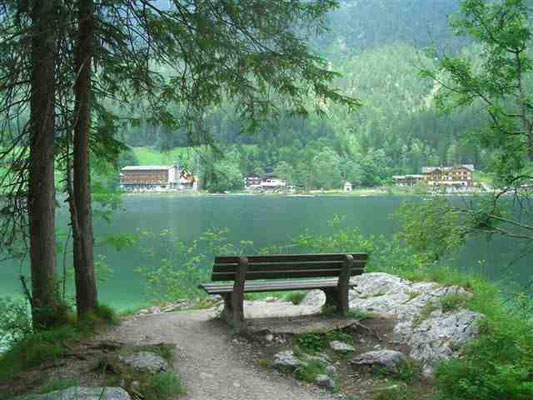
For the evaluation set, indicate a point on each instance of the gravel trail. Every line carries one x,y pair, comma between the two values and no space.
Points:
211,365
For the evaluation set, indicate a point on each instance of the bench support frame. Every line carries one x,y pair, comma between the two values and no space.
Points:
335,296
233,302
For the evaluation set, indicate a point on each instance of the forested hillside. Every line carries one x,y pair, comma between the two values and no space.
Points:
378,47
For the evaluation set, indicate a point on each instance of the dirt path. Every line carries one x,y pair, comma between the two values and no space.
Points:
211,365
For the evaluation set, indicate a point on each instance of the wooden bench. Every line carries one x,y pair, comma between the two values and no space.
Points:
333,271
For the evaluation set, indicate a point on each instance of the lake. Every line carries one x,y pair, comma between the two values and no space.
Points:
265,220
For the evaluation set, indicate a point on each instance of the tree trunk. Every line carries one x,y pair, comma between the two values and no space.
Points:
41,188
81,215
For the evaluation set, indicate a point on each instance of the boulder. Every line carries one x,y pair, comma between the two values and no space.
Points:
325,381
145,361
341,347
387,359
315,298
286,361
82,393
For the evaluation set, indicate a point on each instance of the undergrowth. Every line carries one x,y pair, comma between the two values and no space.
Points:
34,348
162,386
317,342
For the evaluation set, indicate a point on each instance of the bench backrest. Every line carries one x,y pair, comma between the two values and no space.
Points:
283,266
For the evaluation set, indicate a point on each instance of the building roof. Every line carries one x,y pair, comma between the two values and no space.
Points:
146,167
428,170
407,176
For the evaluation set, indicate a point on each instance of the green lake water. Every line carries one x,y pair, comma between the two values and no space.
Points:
265,220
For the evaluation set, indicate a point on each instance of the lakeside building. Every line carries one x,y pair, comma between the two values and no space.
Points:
458,176
156,177
348,187
264,182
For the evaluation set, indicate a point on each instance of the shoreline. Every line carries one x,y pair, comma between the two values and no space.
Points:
314,193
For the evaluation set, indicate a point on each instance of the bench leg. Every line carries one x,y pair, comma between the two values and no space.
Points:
237,317
228,308
338,298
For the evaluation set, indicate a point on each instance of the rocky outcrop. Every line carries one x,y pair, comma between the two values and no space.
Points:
145,361
388,359
431,332
83,393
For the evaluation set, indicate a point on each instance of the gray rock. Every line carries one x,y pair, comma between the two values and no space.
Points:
325,381
432,337
286,361
387,359
331,371
82,393
314,298
146,361
341,347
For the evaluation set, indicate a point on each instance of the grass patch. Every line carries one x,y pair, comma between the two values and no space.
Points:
406,371
310,370
49,345
311,342
318,342
162,386
295,297
339,336
455,301
361,315
395,392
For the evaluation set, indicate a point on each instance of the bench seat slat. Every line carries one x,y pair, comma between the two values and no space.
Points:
221,288
297,265
290,258
228,276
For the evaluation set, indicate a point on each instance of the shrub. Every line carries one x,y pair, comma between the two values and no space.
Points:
162,386
498,365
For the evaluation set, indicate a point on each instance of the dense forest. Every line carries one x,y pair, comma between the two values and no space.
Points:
397,130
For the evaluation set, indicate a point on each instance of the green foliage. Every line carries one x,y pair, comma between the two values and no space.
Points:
220,174
15,323
295,297
311,342
310,370
317,342
498,365
406,371
359,314
179,267
395,392
432,228
35,349
163,386
455,301
340,336
32,348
